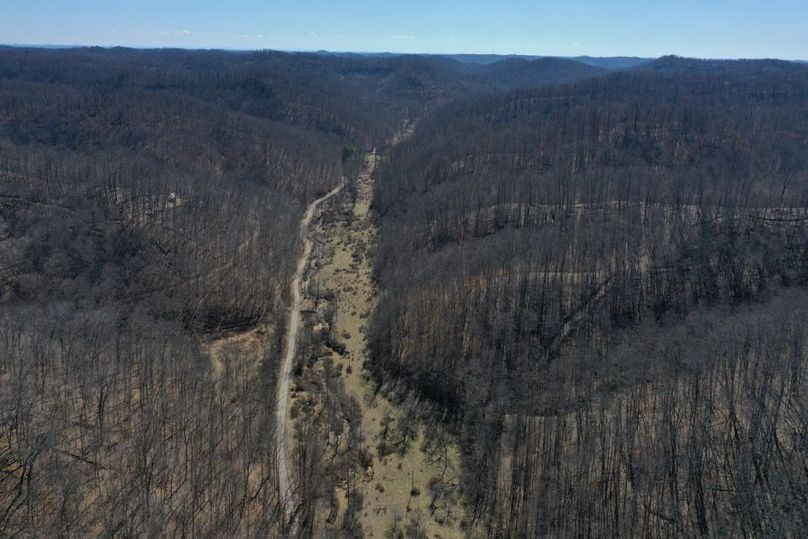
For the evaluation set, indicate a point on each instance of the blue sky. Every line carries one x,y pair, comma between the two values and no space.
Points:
705,28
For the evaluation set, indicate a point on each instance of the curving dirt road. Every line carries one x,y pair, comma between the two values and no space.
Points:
282,404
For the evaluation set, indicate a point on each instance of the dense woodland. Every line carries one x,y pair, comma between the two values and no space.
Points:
601,286
595,280
136,218
150,201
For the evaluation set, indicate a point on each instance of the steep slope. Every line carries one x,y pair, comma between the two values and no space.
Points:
555,264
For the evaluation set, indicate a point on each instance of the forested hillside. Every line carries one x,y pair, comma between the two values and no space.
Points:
146,199
149,203
149,199
513,73
594,282
602,286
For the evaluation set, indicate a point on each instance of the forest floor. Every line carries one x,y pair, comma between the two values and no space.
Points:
402,490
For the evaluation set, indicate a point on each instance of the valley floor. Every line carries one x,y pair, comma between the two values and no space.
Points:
409,487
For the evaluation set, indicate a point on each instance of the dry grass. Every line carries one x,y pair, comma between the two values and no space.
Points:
249,345
389,485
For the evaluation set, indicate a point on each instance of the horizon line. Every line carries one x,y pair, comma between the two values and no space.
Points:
393,53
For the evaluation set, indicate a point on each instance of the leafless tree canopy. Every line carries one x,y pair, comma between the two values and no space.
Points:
594,282
603,284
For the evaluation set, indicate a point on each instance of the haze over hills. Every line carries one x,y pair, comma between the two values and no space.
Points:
539,296
613,62
604,62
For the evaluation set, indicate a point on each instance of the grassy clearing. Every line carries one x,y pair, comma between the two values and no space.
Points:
249,345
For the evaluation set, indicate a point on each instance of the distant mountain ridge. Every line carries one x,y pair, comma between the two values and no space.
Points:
604,62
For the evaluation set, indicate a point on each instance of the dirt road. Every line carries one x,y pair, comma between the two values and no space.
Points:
282,405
